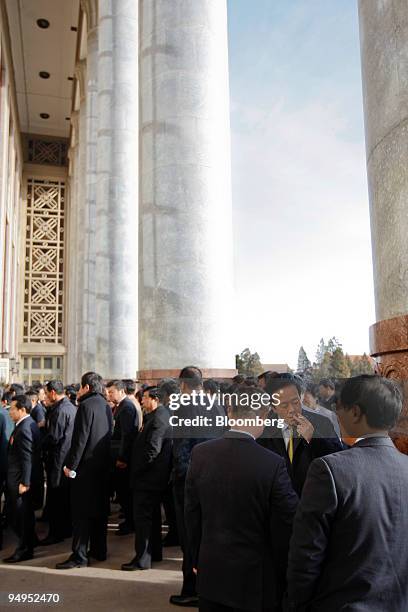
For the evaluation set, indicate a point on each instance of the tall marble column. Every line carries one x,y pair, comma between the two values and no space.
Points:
384,53
116,323
90,8
72,254
79,362
185,270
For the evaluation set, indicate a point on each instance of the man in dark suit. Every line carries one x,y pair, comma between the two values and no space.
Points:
126,427
305,435
56,446
23,477
87,465
235,489
150,473
348,550
184,440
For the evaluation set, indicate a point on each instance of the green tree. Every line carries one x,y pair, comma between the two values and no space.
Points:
364,365
303,360
248,364
339,367
320,351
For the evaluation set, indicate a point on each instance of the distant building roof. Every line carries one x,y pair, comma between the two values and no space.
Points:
276,367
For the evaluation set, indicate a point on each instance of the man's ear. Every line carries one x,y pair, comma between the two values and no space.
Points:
357,414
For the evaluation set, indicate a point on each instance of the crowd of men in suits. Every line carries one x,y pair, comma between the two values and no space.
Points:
272,509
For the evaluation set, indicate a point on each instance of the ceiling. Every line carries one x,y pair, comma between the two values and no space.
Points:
51,50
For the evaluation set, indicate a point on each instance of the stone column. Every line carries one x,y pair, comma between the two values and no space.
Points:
384,52
116,323
71,250
79,361
89,220
185,271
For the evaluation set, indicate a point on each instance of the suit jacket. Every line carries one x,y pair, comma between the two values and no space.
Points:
348,550
151,452
6,427
126,425
58,439
89,456
234,490
24,463
324,442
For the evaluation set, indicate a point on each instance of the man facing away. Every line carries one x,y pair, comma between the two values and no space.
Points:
87,465
23,477
234,491
348,549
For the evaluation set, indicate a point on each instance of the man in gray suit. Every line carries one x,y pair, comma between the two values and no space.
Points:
348,549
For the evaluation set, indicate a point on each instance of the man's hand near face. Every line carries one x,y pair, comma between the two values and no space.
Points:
304,427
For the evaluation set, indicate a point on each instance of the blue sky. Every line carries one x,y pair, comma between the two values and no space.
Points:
302,248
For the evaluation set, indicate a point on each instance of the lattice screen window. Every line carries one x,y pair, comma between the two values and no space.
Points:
44,261
53,152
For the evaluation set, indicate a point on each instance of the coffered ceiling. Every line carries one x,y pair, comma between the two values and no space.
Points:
48,50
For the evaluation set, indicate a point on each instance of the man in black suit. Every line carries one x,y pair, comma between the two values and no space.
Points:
327,394
56,446
87,465
305,435
235,489
348,550
126,427
23,477
150,473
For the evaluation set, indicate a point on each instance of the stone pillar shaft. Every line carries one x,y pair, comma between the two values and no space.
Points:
185,271
384,53
116,322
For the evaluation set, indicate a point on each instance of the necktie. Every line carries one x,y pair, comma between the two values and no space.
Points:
290,444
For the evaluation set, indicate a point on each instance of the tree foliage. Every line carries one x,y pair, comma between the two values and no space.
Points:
248,364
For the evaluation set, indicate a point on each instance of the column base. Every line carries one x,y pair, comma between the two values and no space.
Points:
153,376
389,346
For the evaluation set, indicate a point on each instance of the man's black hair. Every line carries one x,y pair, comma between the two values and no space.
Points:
313,389
211,386
55,385
326,382
153,392
379,399
286,379
191,376
93,380
130,386
32,392
7,397
167,387
118,384
17,388
22,401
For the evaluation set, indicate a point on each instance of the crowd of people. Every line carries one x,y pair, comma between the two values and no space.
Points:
298,502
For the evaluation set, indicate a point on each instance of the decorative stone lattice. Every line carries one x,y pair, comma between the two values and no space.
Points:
44,261
53,152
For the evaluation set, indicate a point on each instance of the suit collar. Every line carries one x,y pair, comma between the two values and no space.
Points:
239,435
375,441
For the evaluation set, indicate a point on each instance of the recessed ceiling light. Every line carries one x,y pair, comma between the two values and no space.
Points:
43,23
44,116
44,74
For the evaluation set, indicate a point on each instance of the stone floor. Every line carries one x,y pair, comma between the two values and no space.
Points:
103,586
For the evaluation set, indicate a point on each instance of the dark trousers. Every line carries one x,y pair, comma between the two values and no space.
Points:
170,512
92,531
59,504
189,578
147,517
22,520
204,605
124,494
